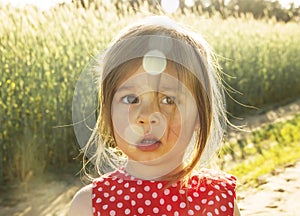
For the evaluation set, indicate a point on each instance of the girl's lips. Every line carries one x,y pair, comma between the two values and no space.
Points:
148,146
148,143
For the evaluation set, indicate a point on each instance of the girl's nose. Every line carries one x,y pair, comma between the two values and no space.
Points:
148,114
148,119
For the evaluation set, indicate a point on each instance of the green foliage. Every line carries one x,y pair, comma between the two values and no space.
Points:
261,59
43,52
265,150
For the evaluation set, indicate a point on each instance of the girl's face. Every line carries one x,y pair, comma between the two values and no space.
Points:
154,116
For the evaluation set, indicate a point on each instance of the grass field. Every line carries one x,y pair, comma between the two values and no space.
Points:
43,53
252,156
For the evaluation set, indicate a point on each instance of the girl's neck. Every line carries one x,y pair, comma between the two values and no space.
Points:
151,172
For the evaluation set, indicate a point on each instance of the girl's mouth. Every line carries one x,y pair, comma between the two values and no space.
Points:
148,143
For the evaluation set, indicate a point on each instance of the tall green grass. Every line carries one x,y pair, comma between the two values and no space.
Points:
261,59
43,52
261,152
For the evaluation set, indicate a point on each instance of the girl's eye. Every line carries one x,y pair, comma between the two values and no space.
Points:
130,99
168,100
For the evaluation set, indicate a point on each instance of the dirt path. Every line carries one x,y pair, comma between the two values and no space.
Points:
279,196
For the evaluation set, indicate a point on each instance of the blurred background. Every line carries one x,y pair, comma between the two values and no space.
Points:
45,45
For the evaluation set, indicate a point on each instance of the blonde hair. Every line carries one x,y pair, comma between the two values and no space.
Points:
194,63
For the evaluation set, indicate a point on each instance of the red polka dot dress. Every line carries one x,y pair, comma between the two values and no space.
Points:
208,193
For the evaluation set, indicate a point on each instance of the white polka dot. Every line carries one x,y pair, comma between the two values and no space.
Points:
195,194
120,181
147,202
218,198
104,207
169,207
107,183
93,196
114,178
155,210
139,195
120,205
126,185
174,198
194,182
190,199
139,182
202,189
209,214
210,193
112,199
223,208
217,211
217,187
113,187
132,190
100,189
132,178
127,197
182,205
197,207
174,185
230,204
159,186
99,200
190,212
204,201
167,192
106,194
147,188
127,211
224,195
182,191
223,184
140,210
112,213
133,202
162,201
154,195
176,213
230,193
119,192
210,202
98,214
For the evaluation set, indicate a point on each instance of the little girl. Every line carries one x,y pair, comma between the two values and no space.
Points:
160,117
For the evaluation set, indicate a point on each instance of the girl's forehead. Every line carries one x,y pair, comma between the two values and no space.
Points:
167,79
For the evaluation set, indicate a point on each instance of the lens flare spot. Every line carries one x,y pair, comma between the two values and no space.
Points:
170,6
189,3
133,134
154,62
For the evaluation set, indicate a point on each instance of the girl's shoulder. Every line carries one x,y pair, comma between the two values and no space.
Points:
82,202
211,176
214,182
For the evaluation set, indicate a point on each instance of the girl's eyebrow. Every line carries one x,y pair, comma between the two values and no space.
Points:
126,88
168,88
